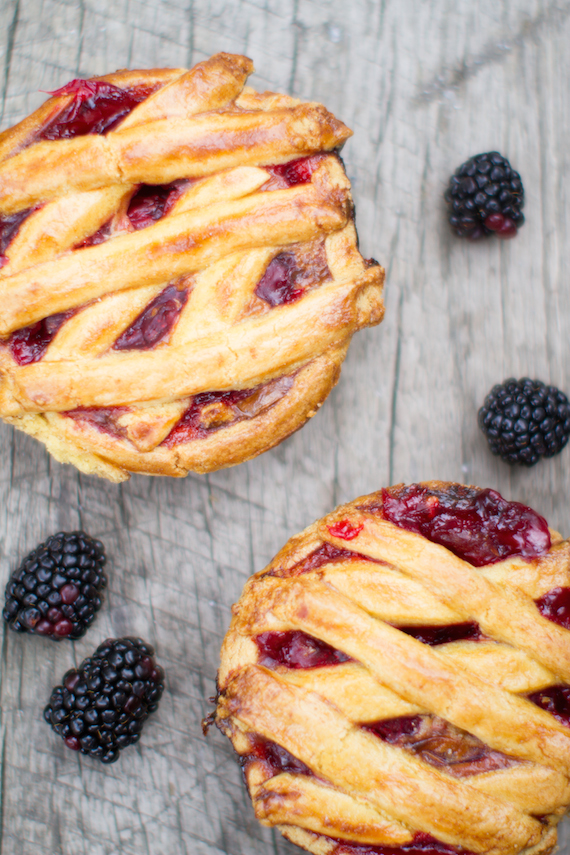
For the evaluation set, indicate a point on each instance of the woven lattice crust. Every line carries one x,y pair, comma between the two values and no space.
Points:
75,256
354,786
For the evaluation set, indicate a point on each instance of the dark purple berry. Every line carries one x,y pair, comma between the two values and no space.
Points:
525,420
56,590
485,196
98,710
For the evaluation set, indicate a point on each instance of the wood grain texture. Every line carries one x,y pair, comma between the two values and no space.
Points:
424,84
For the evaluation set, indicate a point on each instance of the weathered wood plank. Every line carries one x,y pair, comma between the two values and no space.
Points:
424,85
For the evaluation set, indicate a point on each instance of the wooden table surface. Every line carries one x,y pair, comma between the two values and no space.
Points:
424,84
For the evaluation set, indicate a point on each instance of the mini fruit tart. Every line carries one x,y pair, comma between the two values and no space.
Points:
397,680
180,277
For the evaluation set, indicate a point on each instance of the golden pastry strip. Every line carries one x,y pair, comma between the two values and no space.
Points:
503,613
169,149
215,362
283,797
392,781
417,672
178,245
332,592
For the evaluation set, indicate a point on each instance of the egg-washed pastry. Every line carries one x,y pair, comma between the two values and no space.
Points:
397,680
180,277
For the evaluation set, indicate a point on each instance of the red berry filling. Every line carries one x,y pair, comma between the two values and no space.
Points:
102,418
211,411
434,635
30,343
344,530
324,554
155,322
555,700
277,759
296,649
421,844
150,203
477,525
555,605
97,107
9,227
277,286
295,172
440,744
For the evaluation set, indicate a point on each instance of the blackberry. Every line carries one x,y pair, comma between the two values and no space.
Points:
485,195
525,420
56,590
102,705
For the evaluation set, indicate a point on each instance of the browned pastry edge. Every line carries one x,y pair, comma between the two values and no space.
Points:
93,452
248,692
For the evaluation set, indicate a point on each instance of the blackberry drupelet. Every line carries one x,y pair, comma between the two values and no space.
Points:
525,420
56,591
485,195
102,705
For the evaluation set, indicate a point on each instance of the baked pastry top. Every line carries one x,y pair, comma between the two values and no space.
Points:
398,678
179,270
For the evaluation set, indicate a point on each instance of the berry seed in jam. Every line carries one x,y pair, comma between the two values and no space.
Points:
479,526
97,107
296,649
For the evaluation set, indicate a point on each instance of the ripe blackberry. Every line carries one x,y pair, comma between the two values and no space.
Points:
525,420
102,705
56,590
485,195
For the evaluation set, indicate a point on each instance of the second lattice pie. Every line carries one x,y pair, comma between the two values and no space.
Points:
180,277
397,680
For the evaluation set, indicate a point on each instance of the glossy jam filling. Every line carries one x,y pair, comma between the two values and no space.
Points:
211,411
421,844
440,744
155,322
435,635
479,526
324,554
296,649
277,285
102,418
276,758
295,172
555,700
290,274
152,202
344,530
30,343
97,108
9,228
555,605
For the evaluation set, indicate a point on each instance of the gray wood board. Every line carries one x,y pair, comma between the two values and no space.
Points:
424,85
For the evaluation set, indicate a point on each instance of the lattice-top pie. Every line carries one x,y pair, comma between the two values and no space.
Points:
180,277
397,680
